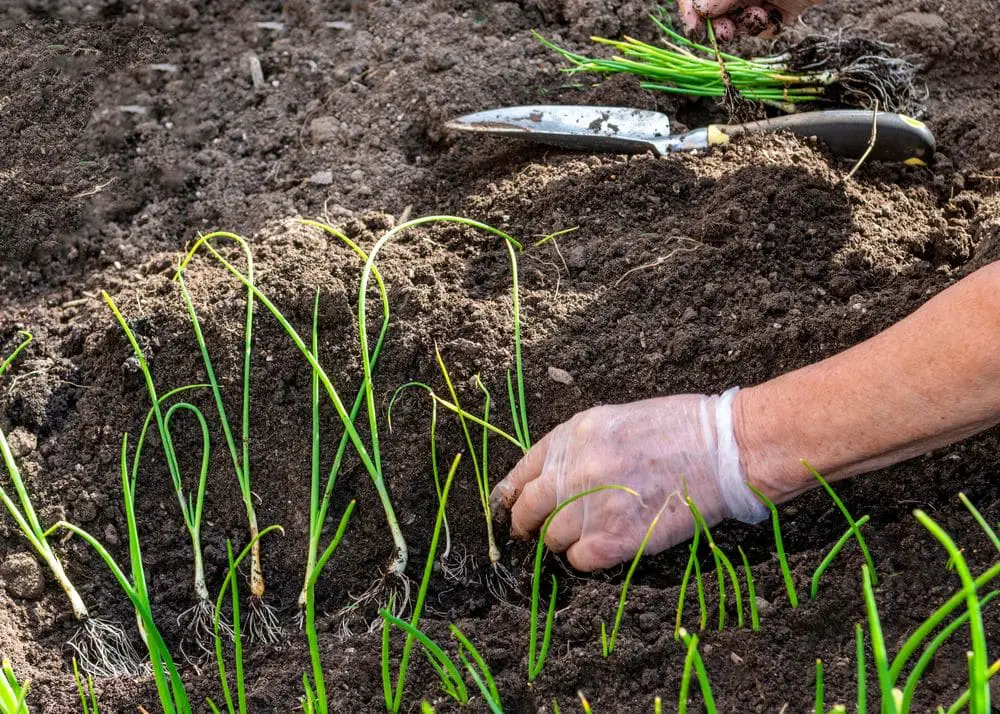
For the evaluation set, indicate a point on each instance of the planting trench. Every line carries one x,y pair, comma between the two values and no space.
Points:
687,274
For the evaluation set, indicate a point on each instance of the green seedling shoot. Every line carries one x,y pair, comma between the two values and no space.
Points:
446,669
848,517
169,687
101,646
722,566
537,653
888,695
88,697
834,551
478,670
608,641
692,566
979,688
694,658
199,617
859,646
751,592
230,586
12,693
479,464
26,338
987,528
518,405
394,695
779,546
819,707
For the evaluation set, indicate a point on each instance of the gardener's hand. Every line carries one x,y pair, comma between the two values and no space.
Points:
654,447
740,17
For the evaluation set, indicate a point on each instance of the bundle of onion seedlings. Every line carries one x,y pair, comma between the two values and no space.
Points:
846,71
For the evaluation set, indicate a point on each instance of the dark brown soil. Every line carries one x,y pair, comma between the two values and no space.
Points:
130,127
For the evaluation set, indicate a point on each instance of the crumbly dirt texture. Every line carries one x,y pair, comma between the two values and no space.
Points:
129,127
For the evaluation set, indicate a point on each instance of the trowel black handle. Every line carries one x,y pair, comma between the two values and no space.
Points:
848,133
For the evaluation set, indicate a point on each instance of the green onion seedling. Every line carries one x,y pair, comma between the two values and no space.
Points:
394,696
657,705
859,639
319,505
451,680
885,684
722,563
979,688
101,646
478,670
848,517
198,619
963,701
987,528
88,697
819,707
26,338
12,692
692,649
691,642
501,580
230,585
371,459
751,592
692,565
262,622
608,642
537,653
779,545
584,702
169,687
927,656
518,405
453,569
834,551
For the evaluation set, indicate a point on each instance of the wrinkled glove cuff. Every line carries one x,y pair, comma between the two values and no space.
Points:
741,503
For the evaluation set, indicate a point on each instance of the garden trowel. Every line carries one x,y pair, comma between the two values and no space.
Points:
847,132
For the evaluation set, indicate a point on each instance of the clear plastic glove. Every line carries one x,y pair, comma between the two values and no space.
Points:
654,447
740,17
